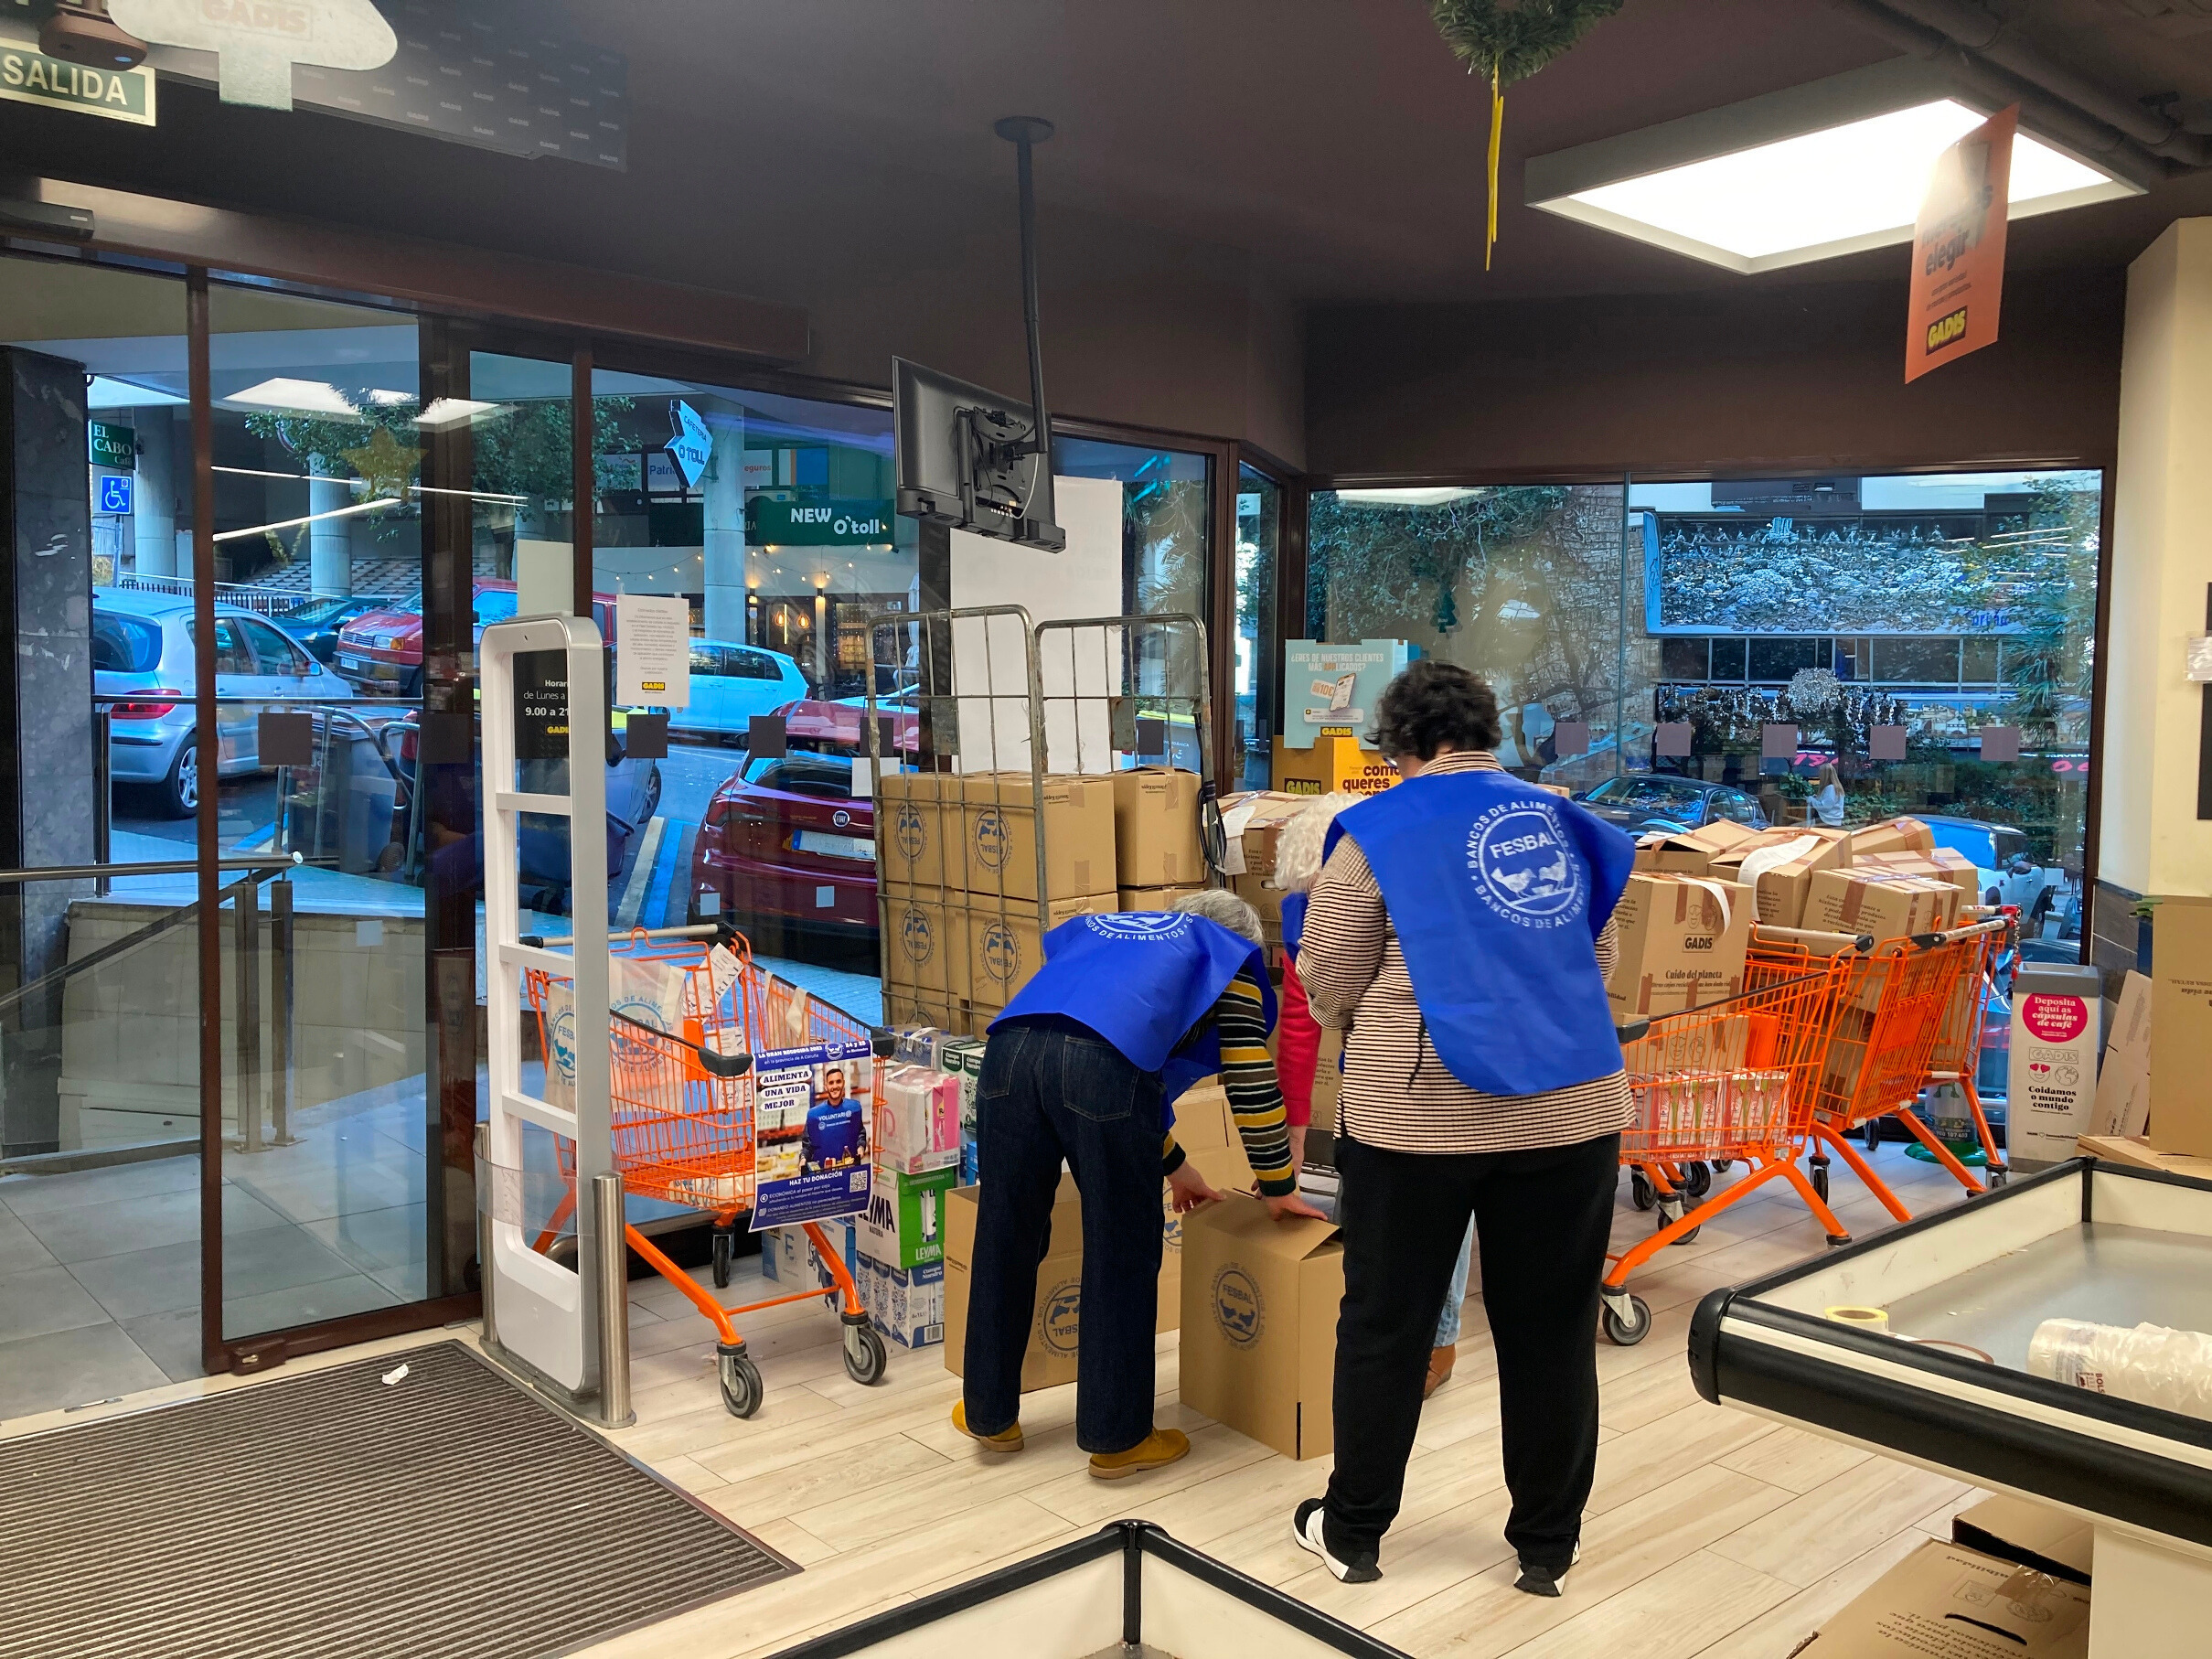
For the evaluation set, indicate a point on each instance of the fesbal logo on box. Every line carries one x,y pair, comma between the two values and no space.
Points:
1240,1312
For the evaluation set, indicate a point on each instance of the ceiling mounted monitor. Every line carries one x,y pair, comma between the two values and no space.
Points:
1834,166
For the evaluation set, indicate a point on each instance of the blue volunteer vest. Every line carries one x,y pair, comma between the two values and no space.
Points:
1497,890
1141,980
833,1132
1294,924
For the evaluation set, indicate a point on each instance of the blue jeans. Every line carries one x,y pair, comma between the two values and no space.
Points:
1447,1323
1047,1093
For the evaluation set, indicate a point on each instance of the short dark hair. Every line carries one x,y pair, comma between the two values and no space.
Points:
1433,704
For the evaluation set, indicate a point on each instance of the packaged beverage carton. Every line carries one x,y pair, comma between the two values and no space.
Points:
1152,898
1779,864
1894,835
914,832
909,1307
1001,814
1758,1105
1691,852
917,1120
904,1224
1003,947
1682,940
1156,827
1259,1314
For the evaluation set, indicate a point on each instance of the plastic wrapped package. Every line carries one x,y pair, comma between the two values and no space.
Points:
2151,1365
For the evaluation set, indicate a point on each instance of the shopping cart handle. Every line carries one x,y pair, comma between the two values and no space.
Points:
1632,1033
724,1065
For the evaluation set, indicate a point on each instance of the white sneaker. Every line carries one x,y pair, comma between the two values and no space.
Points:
1536,1581
1306,1532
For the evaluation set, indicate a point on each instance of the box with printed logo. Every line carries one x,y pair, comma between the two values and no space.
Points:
903,1225
914,832
1003,945
1259,1315
789,1258
1156,827
1001,814
924,941
1681,941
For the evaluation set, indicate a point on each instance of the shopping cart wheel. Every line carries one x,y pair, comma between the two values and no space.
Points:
1721,1166
741,1381
1670,1210
1874,1134
865,1356
1642,1193
725,1246
1996,1175
1627,1320
1698,1179
1820,1180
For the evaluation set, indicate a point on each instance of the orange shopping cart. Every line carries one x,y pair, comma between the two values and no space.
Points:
685,1109
1715,1085
1910,1015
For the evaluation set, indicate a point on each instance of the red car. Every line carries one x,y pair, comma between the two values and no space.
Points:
784,842
382,650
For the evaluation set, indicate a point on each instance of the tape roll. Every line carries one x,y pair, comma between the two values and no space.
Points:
1872,1319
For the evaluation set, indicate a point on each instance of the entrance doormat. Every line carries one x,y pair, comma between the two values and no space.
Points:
447,1515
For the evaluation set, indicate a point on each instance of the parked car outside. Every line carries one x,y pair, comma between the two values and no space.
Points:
142,654
1642,802
382,651
729,685
2001,865
316,623
785,842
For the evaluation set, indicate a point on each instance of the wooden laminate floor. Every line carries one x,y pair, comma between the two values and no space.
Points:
1710,1532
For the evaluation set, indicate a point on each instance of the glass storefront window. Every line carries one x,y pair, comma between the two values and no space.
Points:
1259,658
1166,533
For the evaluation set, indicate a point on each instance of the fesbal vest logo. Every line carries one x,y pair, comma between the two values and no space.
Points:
1524,868
1139,924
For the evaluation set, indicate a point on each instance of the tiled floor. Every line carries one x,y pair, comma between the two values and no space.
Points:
1710,1535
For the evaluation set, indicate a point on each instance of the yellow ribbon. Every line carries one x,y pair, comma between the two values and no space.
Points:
1497,129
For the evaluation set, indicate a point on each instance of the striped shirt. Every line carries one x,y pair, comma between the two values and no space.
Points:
1398,1093
1247,1075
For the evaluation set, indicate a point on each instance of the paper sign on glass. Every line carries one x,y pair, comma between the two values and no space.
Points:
2000,742
1777,742
1958,248
653,650
1672,739
1886,742
1570,738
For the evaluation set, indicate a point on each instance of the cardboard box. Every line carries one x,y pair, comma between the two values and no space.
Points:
926,940
1874,902
1259,1314
1251,822
1004,948
912,831
2141,1154
2122,1105
1152,898
1780,865
1206,1130
2181,1027
2053,1541
1846,1057
1962,1604
907,1005
998,818
1226,1172
1332,764
1692,852
904,1224
1941,865
1156,827
1682,940
1893,835
1265,900
789,1259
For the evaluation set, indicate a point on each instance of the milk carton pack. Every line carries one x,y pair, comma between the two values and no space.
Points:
918,1121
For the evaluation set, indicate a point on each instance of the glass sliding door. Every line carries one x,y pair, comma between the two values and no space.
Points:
1258,662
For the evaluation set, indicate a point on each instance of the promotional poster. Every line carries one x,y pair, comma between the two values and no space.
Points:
810,1125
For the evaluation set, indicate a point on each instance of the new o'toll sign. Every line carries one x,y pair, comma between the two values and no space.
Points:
257,41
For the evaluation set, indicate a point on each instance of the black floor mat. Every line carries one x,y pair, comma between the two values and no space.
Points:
449,1516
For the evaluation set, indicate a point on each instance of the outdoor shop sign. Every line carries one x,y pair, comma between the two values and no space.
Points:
1329,691
115,446
691,445
1958,248
28,76
834,523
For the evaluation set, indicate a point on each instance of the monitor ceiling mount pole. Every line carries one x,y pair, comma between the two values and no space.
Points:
1024,132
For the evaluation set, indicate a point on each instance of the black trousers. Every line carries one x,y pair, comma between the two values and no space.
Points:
1542,1219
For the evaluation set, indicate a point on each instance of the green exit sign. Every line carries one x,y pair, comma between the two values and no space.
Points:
111,445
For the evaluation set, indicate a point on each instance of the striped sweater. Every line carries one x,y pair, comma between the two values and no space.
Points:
1247,1075
1397,1092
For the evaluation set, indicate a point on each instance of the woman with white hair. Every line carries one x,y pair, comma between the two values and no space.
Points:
1082,1070
1297,1041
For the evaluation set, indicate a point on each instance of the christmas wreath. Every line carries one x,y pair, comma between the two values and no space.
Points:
1512,39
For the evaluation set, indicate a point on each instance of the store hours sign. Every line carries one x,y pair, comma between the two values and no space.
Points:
833,523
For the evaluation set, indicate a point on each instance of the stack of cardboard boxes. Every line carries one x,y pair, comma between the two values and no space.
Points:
2152,1108
1158,857
1252,823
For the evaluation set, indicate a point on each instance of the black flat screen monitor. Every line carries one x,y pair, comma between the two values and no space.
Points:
966,457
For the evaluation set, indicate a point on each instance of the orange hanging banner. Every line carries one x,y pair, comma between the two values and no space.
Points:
1958,248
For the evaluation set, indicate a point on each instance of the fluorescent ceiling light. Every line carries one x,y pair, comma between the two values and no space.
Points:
1833,168
1434,496
298,397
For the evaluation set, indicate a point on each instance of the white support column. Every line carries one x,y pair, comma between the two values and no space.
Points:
2151,839
154,495
723,488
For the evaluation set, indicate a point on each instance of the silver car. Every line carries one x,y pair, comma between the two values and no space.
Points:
143,658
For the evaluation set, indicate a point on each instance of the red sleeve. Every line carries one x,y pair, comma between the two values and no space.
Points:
1298,1047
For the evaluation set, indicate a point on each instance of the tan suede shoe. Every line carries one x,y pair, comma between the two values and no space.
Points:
1006,1439
1440,1362
1156,1451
